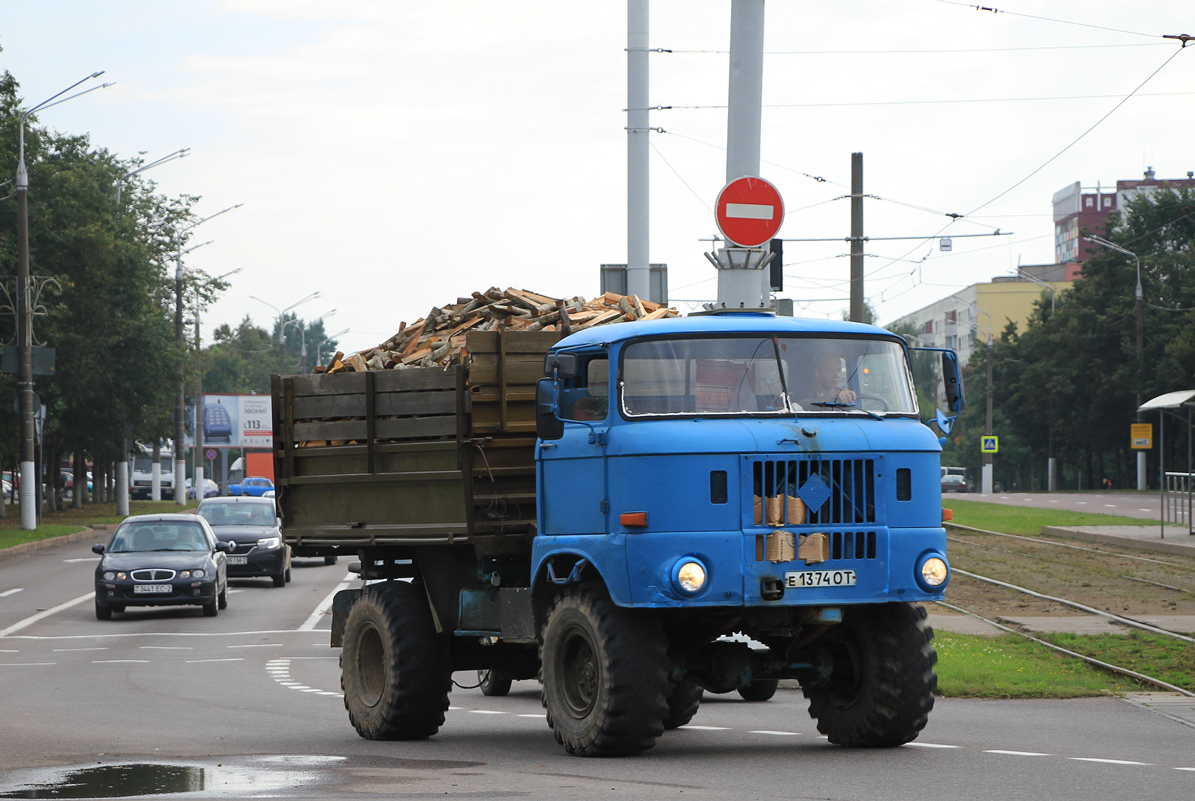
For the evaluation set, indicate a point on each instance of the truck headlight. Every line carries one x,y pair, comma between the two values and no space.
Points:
934,572
689,575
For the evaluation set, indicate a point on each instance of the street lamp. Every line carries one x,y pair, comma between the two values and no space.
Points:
282,325
180,460
1099,240
199,459
318,358
303,337
29,490
178,154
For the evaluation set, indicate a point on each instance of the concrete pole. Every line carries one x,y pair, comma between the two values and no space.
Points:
28,471
198,472
180,434
987,457
857,309
638,181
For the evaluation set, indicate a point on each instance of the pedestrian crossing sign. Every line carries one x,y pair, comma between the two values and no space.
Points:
989,445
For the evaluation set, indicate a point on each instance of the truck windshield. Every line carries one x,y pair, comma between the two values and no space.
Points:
765,376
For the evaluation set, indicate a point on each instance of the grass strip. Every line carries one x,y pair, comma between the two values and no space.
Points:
1155,655
973,666
1028,521
71,520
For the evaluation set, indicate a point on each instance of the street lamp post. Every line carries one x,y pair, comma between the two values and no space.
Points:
122,466
319,344
282,325
1140,300
180,435
28,474
198,472
303,337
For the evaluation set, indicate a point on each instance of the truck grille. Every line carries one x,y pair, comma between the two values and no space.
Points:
853,545
831,492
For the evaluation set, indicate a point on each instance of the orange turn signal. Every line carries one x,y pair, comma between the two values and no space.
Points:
947,515
633,519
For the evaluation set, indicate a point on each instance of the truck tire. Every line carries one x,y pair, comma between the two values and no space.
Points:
759,690
493,682
330,560
882,687
394,667
605,675
683,702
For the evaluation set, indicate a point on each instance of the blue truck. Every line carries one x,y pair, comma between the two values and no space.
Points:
635,514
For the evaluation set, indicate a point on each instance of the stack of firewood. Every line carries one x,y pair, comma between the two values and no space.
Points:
439,338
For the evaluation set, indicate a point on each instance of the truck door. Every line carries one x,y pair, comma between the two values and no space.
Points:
573,468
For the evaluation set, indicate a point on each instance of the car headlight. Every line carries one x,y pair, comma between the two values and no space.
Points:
184,574
934,572
109,576
689,575
121,576
269,542
196,574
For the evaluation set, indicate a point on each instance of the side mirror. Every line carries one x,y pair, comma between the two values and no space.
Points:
952,378
548,425
562,365
222,546
97,548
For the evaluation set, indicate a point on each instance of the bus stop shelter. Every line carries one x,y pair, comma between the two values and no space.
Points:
1176,488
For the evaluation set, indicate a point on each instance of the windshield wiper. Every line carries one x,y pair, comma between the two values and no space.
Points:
842,405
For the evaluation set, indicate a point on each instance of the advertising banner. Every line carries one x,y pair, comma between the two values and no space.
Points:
237,421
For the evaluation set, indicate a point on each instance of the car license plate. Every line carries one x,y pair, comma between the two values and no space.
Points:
238,560
151,589
820,578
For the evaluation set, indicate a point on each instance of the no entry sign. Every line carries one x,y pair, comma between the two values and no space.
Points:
749,211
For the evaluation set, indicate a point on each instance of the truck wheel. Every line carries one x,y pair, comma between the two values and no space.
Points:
882,686
683,702
330,560
493,683
759,690
605,675
394,667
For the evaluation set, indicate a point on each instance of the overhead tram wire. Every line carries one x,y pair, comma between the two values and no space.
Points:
1046,19
948,51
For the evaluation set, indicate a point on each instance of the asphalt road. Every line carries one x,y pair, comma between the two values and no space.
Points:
248,704
1144,505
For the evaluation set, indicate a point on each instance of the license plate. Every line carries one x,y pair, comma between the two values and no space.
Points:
151,589
820,578
238,560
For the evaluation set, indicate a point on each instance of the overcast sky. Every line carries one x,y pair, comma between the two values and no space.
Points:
395,154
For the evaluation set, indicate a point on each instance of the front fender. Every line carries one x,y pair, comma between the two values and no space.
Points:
604,555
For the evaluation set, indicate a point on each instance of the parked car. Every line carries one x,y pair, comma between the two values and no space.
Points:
252,530
254,485
955,479
210,489
161,560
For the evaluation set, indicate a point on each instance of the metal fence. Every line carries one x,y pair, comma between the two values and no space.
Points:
1177,501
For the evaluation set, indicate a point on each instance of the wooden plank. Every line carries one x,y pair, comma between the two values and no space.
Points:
521,342
399,428
386,404
415,379
483,373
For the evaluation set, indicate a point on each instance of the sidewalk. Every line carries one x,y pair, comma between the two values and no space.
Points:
1141,538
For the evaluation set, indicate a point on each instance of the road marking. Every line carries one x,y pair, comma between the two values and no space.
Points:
9,651
453,708
257,645
25,664
1109,761
933,745
7,593
705,728
1053,501
1184,768
84,559
1080,503
778,733
197,661
541,716
486,712
98,648
326,604
167,648
1015,753
1149,510
118,661
29,621
153,633
1110,505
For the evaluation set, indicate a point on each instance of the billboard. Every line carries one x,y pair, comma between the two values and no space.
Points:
237,421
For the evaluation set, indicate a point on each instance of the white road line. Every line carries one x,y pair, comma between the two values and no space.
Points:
29,621
1015,753
452,708
84,559
25,664
1110,506
326,604
778,733
8,651
486,712
705,728
98,648
118,661
1184,768
14,591
167,648
1053,501
933,745
258,645
541,718
1150,510
1080,503
1109,761
198,661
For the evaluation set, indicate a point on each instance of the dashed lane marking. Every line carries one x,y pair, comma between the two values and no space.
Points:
258,645
705,728
167,648
778,733
25,664
486,712
1014,753
541,718
83,559
65,650
29,621
932,745
1110,761
231,659
119,661
13,591
8,651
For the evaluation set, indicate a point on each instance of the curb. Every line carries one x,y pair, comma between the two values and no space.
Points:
52,542
1158,545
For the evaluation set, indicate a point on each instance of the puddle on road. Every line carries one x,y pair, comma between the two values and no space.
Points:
144,779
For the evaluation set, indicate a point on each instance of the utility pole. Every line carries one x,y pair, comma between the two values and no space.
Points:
857,308
638,181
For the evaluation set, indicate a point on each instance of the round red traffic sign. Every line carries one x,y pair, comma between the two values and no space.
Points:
749,211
